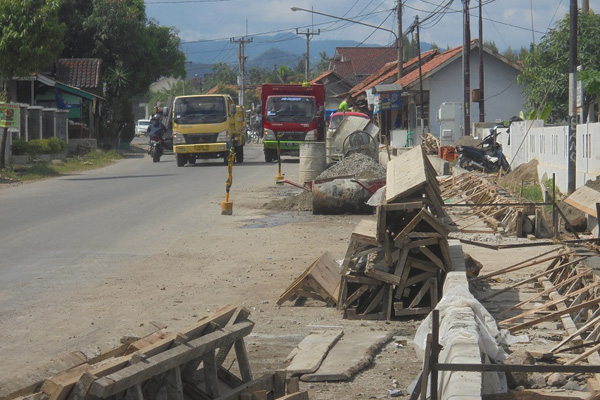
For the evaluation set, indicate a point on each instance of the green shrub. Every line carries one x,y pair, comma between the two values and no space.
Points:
38,146
56,145
19,147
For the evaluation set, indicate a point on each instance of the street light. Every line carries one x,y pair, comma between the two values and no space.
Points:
398,55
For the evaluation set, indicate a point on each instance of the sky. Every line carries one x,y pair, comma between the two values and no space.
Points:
508,23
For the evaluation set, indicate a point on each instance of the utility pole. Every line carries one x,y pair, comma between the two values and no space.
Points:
467,74
420,74
585,6
308,34
400,41
242,60
481,80
572,166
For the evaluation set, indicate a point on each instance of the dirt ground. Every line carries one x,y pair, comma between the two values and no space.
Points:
183,285
270,249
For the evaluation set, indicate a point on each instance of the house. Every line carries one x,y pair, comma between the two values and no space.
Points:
335,87
354,64
76,87
441,75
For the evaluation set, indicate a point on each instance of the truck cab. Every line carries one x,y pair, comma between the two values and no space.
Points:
291,114
207,126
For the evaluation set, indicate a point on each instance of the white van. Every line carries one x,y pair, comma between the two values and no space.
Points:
141,127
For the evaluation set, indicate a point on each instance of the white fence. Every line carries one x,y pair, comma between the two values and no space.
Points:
529,140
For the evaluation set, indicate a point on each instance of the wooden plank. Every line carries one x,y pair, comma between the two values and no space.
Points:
295,396
405,175
557,301
26,383
353,352
418,278
376,301
81,388
405,312
554,315
323,275
167,360
311,351
366,232
421,293
265,382
435,259
584,199
357,293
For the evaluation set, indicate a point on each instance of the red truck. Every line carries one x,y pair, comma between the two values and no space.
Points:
291,114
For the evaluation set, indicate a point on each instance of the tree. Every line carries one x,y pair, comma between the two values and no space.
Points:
222,74
323,64
491,45
545,77
30,39
130,46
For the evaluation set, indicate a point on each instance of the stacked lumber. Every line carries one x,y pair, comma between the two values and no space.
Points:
493,205
186,364
395,264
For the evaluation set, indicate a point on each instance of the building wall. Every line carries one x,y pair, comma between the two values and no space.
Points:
549,145
504,97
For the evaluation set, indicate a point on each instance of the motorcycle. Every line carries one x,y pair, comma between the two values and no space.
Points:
156,148
486,157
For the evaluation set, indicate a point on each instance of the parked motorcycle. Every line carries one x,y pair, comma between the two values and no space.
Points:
486,157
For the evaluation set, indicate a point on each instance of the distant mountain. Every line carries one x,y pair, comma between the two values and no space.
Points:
273,57
263,52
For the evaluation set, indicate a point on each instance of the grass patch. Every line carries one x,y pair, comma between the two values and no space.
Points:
529,191
48,169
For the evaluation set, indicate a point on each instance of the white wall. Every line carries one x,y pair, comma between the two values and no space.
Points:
549,145
504,98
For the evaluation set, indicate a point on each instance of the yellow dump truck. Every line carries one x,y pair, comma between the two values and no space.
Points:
207,126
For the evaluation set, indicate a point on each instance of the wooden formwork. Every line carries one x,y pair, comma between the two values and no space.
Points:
395,264
188,364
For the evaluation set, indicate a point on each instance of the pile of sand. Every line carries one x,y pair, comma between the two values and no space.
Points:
299,202
526,173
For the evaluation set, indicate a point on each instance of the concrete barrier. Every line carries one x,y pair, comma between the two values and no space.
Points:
468,335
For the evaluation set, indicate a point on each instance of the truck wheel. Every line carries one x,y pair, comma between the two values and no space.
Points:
239,154
181,159
270,155
191,160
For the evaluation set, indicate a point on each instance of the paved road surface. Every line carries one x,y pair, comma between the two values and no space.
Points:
133,208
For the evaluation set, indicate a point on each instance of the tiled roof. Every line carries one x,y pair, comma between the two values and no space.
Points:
322,76
350,61
83,73
390,70
429,66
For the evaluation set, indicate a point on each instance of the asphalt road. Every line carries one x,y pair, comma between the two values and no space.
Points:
132,208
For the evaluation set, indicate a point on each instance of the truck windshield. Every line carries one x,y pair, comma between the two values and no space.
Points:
291,109
200,110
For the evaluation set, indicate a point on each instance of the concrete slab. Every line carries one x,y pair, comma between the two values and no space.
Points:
311,351
352,353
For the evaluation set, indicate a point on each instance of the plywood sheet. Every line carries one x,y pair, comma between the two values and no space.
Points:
405,174
584,199
311,351
352,353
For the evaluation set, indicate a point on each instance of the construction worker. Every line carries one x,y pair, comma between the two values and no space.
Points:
344,105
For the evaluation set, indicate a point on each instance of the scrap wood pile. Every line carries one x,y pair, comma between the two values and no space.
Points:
496,208
430,143
187,364
569,291
395,265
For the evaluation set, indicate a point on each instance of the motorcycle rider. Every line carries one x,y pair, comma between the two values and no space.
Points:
156,128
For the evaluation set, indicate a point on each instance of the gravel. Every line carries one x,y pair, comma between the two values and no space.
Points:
357,165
